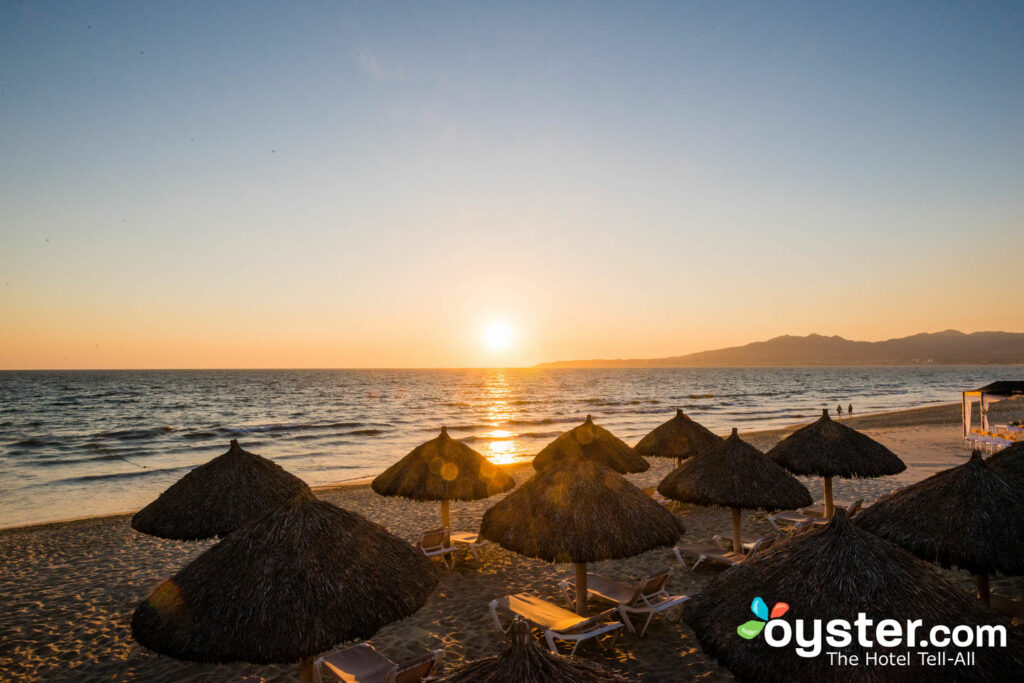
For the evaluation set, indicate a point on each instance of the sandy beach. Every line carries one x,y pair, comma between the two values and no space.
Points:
68,589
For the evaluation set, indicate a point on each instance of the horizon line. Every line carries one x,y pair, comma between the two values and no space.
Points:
537,366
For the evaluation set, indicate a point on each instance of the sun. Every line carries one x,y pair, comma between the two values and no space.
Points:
499,336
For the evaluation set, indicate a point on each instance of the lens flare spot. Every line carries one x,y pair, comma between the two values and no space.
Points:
449,471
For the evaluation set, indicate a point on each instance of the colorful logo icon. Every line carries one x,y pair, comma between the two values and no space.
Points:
753,627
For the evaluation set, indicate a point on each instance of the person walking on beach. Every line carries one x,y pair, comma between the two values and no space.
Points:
849,409
839,410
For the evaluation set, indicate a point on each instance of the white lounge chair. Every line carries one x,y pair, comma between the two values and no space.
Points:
715,554
470,540
362,664
557,623
648,596
748,541
786,523
432,544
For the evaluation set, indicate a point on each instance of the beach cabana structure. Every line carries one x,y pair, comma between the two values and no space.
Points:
595,443
985,396
737,476
970,516
216,498
306,577
443,469
679,438
578,510
838,572
828,449
523,661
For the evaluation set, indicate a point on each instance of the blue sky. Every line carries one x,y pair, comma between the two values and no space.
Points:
370,184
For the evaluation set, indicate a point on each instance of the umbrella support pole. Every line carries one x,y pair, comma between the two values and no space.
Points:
306,670
983,593
679,463
737,536
446,522
581,588
829,507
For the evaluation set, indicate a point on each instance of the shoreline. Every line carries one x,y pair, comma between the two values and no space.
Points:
902,418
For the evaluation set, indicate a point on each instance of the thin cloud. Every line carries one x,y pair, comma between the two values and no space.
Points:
378,69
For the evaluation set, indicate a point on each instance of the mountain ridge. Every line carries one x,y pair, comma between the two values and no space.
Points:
948,347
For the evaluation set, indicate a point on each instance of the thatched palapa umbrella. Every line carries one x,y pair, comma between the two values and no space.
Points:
443,469
829,449
579,511
679,438
299,581
1010,461
216,498
969,516
523,661
839,572
595,443
735,475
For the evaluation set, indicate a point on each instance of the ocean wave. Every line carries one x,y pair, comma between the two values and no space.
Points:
285,427
133,474
39,442
194,436
457,427
133,434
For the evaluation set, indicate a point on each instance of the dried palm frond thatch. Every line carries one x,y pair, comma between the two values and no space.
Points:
595,443
679,438
969,516
579,511
216,498
830,449
1010,461
838,572
524,662
299,581
443,469
735,475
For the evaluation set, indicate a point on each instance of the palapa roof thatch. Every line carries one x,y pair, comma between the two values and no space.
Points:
836,573
443,469
299,581
523,661
831,449
734,474
579,511
595,443
1010,461
680,437
969,516
216,498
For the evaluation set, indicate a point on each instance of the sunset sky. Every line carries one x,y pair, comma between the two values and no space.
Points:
196,184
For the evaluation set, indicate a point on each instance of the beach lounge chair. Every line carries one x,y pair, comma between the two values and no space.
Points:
786,523
1012,609
715,554
648,596
724,540
470,540
362,664
797,521
432,544
667,503
557,623
818,509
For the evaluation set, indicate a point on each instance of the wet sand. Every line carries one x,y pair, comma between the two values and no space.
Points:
68,589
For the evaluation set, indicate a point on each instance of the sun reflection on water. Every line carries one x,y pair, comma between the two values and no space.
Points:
502,448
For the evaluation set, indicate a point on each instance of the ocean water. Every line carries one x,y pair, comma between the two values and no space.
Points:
87,443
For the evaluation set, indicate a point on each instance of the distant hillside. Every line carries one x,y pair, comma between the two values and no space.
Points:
940,348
